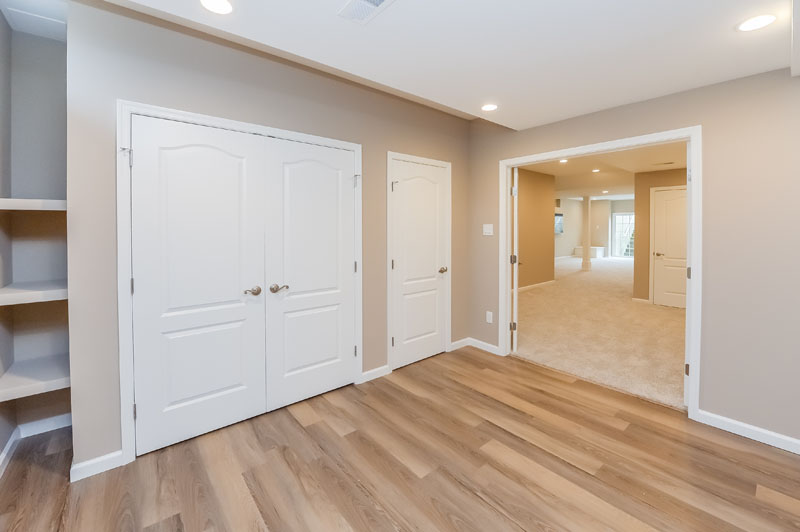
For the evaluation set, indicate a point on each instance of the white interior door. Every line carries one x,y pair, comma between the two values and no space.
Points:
419,248
310,242
669,247
197,241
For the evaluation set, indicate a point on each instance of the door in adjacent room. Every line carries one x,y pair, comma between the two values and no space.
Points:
419,258
668,227
198,265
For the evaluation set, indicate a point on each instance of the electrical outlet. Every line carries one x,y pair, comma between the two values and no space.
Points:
489,317
488,229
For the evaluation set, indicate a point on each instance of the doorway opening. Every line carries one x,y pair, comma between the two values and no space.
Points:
603,281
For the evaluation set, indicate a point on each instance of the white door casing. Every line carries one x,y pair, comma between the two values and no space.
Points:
197,241
310,242
419,269
515,264
668,246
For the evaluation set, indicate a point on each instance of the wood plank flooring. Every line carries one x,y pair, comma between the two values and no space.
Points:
462,441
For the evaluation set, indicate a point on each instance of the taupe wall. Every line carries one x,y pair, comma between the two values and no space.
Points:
537,196
113,54
39,117
751,162
643,182
566,242
601,216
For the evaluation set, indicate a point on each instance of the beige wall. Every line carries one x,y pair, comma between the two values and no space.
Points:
566,242
643,182
112,56
751,162
537,196
601,216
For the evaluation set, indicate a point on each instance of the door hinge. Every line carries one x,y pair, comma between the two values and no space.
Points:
513,259
129,151
355,267
514,191
393,184
393,264
689,272
134,410
355,180
355,350
131,285
512,326
686,369
392,341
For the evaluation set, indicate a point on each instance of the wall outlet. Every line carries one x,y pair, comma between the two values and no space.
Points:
489,317
488,229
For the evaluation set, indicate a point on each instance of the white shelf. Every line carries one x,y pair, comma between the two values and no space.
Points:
33,292
31,377
21,204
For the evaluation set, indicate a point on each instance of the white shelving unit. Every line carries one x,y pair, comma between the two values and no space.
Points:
33,292
32,377
24,204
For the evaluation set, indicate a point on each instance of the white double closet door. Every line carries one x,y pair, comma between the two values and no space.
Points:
217,217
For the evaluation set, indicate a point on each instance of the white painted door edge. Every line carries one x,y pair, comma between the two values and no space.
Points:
693,135
125,111
390,156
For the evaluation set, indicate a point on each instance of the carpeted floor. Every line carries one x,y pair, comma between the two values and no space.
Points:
586,324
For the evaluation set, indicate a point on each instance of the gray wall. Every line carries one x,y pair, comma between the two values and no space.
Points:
5,108
39,117
751,128
112,56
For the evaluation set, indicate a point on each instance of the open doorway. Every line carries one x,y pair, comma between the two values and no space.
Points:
601,246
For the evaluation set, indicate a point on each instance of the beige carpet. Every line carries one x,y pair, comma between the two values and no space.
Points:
586,324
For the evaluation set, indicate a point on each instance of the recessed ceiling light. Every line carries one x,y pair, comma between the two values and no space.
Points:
595,170
605,192
220,7
562,161
489,107
756,23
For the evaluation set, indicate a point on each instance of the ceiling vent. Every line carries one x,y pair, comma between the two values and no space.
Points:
362,11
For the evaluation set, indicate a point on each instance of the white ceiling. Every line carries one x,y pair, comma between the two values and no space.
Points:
45,18
575,177
540,61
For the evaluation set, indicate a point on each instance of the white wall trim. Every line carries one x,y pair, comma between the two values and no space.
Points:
125,111
394,156
769,437
693,135
640,300
531,286
472,342
652,262
97,465
40,426
374,373
8,450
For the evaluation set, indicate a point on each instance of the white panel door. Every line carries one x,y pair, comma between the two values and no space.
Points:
419,197
197,241
669,247
310,242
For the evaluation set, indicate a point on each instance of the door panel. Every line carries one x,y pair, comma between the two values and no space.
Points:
197,242
311,248
420,211
669,245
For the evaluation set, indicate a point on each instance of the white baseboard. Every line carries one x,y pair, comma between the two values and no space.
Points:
639,300
373,374
8,450
530,286
40,426
774,439
472,342
95,466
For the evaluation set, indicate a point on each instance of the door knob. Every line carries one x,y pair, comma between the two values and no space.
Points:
443,269
659,254
275,288
254,291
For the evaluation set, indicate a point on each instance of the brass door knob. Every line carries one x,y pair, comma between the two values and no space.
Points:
253,291
275,288
443,269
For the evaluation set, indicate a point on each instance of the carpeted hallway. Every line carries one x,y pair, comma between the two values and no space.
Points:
586,324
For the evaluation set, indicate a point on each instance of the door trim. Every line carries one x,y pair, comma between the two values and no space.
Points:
693,135
125,112
652,265
393,156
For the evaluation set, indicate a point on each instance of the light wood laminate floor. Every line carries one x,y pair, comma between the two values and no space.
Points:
461,441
